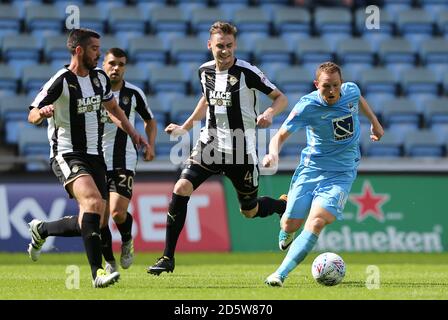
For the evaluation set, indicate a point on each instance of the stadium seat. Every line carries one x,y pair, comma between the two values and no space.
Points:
394,7
181,109
159,112
109,41
292,24
367,31
10,20
272,50
252,19
203,18
20,50
293,78
33,144
434,55
93,17
55,50
390,145
168,23
419,84
378,80
313,51
14,112
415,25
333,24
424,143
401,115
168,79
396,54
147,49
433,7
9,81
137,76
355,54
40,19
442,23
129,20
189,49
34,77
445,84
436,115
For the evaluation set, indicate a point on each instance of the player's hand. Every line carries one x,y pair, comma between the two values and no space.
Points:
270,161
264,120
149,153
376,132
47,111
175,130
139,141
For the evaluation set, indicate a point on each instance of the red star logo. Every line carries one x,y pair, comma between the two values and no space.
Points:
369,203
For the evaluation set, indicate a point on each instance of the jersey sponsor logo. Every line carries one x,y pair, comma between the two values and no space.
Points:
220,98
343,127
232,80
96,82
89,104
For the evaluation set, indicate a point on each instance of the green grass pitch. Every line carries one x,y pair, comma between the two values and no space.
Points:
228,276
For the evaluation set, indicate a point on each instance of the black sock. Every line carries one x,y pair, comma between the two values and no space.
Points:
268,206
90,231
126,228
177,212
67,226
106,244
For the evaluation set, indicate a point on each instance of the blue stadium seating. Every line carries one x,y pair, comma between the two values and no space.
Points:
424,143
401,115
9,81
390,145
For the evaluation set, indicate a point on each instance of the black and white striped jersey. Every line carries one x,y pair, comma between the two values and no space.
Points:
76,123
119,150
233,104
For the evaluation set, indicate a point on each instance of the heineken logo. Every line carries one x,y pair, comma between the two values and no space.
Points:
369,203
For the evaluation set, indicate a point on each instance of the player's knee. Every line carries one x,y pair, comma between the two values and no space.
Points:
93,203
291,225
183,187
118,216
317,224
248,207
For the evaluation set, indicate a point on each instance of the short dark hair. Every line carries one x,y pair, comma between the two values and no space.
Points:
117,52
80,37
223,27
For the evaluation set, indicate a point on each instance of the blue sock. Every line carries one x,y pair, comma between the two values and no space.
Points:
299,249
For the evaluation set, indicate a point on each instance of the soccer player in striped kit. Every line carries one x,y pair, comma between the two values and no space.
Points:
227,145
71,101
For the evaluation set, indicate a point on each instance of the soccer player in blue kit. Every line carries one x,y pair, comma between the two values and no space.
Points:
321,183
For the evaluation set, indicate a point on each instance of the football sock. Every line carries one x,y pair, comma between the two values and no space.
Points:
177,212
67,226
126,228
268,206
299,249
106,244
90,232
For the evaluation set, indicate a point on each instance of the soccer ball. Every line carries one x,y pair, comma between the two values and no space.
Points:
328,269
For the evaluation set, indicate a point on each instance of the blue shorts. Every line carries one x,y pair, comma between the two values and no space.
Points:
329,188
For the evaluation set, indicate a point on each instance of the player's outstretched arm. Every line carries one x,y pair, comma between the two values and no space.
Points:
376,129
151,133
271,159
197,115
279,103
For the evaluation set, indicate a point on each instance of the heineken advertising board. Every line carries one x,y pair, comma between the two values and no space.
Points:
384,213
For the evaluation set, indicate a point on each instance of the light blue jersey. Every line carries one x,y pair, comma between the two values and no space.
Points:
332,130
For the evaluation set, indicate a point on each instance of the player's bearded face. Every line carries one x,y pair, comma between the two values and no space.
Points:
91,54
222,47
329,86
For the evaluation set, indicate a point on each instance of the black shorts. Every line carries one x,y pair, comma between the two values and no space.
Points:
244,176
121,182
69,166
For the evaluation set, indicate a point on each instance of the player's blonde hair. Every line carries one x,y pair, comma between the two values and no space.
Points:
223,27
328,67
